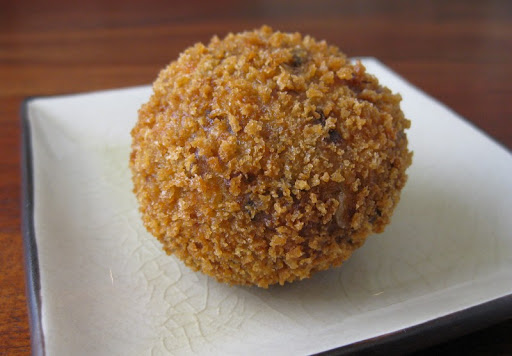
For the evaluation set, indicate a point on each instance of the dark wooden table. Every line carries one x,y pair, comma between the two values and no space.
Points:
458,51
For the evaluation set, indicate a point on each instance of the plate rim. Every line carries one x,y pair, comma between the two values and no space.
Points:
31,257
414,338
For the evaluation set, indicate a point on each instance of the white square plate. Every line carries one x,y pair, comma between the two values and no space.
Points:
99,284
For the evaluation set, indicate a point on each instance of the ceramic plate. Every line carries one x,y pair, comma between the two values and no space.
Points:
99,284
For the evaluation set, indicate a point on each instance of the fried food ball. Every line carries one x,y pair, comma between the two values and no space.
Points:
266,156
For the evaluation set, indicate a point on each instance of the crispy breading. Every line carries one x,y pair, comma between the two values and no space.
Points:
267,156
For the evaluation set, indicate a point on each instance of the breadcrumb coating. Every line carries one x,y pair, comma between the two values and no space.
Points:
266,156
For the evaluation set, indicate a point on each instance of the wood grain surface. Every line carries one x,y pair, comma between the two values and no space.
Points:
458,51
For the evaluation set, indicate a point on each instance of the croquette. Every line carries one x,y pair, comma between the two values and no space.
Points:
264,157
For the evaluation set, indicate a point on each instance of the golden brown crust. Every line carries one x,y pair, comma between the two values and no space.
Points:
267,156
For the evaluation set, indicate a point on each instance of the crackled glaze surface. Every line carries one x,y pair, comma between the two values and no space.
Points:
107,288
